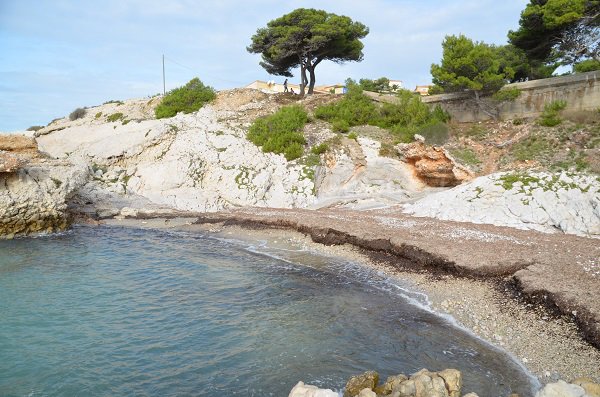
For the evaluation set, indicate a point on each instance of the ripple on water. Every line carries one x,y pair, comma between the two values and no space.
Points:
111,311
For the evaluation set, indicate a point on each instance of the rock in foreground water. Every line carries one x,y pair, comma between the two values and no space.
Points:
302,390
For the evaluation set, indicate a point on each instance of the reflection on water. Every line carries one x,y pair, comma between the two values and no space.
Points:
111,311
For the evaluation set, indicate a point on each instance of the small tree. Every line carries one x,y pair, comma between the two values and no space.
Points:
305,38
471,66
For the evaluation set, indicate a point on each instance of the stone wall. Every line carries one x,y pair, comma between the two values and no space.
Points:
581,92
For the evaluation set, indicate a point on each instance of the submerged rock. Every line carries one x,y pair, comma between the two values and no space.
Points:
561,389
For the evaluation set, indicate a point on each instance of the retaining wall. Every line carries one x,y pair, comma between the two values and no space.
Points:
581,92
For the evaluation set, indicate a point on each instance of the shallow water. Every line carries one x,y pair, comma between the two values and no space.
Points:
119,312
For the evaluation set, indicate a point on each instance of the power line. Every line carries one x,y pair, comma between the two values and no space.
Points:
195,70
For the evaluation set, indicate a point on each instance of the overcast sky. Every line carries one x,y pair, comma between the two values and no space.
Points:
62,54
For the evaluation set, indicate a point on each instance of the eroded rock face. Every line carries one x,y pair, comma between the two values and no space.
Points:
34,199
433,165
10,162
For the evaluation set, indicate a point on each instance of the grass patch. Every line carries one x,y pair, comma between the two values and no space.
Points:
387,150
186,99
466,156
115,117
353,135
35,128
551,115
98,115
531,148
281,132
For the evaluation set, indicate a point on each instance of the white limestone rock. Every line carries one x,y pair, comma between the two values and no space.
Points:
302,390
537,201
561,389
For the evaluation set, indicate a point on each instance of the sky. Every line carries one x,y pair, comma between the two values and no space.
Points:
58,55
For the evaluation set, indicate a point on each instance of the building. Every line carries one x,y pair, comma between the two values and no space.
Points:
271,87
422,90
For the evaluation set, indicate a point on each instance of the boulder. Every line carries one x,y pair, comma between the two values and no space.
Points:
390,384
302,390
433,165
453,380
591,388
356,384
561,389
366,392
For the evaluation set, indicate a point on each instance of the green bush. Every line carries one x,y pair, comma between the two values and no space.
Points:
507,94
551,115
35,128
589,65
187,99
115,117
281,132
77,114
404,118
353,135
320,149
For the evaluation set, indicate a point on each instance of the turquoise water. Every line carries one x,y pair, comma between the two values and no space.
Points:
125,312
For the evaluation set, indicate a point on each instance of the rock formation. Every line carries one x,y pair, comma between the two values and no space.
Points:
34,191
446,383
433,164
537,201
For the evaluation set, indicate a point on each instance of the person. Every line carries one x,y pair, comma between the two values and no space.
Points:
292,91
285,89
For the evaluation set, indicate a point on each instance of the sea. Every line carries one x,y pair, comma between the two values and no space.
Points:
115,311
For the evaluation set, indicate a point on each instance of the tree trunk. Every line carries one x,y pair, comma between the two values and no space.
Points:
311,86
302,78
490,110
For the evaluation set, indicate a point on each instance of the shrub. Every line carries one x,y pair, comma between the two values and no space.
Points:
187,99
35,128
118,103
98,115
353,135
115,117
550,117
507,94
404,118
589,65
77,114
320,149
281,132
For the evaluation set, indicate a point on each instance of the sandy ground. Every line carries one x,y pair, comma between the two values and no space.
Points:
549,346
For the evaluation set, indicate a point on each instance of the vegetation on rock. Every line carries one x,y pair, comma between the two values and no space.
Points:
187,99
281,132
550,117
77,114
407,117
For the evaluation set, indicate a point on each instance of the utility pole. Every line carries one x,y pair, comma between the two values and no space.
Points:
164,87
